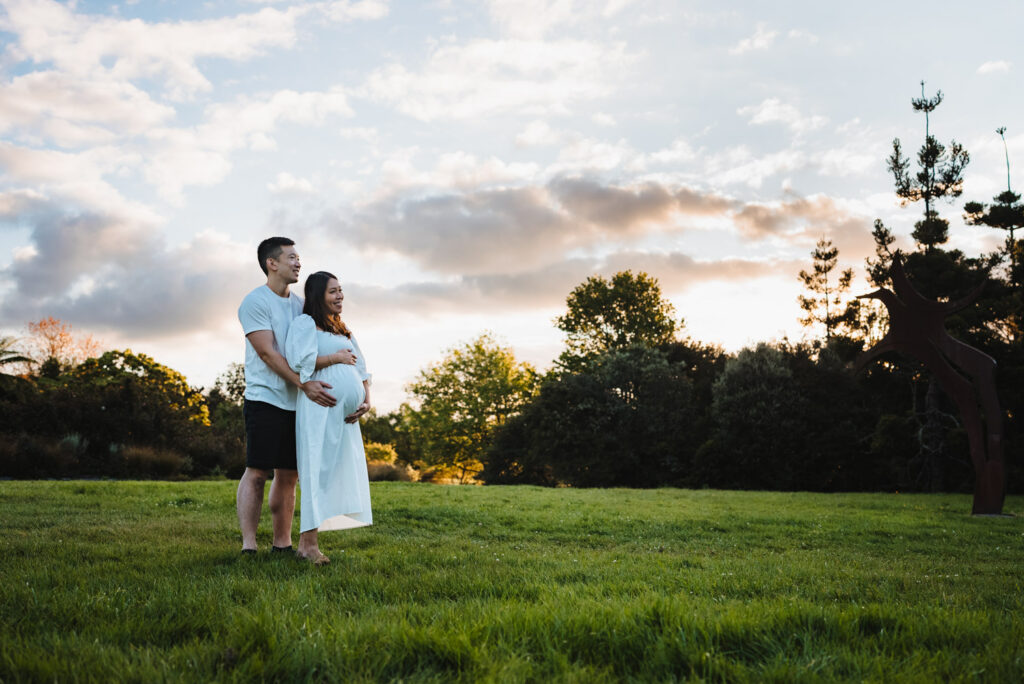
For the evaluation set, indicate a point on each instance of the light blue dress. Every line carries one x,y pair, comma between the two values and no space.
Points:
334,487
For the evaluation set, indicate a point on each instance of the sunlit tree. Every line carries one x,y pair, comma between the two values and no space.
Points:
55,347
463,399
622,312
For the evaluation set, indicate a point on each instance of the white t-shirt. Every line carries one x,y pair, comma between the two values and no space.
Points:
262,309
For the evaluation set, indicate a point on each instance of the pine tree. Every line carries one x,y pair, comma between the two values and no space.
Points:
825,304
1005,213
940,174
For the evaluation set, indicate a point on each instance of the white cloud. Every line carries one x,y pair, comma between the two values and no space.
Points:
488,77
798,34
287,184
531,19
77,177
994,67
602,119
587,153
75,111
89,46
538,133
349,11
761,40
365,133
200,156
773,110
679,151
737,165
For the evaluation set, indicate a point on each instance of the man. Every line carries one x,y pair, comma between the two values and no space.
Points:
271,389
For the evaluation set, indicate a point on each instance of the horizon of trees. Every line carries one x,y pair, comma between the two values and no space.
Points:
631,400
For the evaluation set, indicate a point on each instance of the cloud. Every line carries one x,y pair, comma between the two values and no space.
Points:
773,110
761,40
994,67
738,165
74,111
548,286
106,271
538,134
200,155
516,229
490,77
287,184
531,19
87,46
804,220
77,177
350,11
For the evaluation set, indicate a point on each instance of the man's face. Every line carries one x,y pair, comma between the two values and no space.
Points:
287,264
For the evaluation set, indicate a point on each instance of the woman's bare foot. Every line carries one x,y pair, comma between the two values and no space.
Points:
314,557
309,549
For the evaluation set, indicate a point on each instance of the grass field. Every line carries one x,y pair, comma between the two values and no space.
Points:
142,581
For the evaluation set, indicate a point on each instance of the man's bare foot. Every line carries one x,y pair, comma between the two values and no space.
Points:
313,556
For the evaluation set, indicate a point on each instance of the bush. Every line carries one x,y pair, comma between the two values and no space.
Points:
383,453
384,471
26,456
144,461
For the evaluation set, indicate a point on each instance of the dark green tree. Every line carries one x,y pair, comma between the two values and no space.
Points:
626,420
787,418
939,175
611,314
1005,213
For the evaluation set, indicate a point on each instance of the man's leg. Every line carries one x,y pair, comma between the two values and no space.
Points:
249,501
282,505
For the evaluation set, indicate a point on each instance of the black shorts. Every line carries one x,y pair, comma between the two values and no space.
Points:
269,436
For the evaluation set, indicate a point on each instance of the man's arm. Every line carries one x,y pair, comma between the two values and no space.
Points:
263,342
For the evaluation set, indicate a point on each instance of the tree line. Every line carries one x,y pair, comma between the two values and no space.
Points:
631,401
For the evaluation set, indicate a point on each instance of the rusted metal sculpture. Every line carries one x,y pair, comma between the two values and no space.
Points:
917,329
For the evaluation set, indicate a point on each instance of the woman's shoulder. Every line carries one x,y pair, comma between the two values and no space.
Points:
302,322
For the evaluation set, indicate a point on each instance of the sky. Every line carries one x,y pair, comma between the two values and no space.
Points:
462,166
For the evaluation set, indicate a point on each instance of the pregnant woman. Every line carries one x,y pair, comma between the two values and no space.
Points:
335,489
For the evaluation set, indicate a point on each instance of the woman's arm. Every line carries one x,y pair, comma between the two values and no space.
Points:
343,356
363,408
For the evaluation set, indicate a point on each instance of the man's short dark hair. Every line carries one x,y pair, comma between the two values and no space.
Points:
271,249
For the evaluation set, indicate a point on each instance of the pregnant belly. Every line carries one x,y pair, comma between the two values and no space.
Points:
347,388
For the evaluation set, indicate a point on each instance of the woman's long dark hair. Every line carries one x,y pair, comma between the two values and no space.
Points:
316,308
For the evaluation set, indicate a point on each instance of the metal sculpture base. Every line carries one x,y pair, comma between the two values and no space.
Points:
967,375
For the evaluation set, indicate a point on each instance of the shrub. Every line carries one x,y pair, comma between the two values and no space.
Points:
31,456
383,471
383,453
144,461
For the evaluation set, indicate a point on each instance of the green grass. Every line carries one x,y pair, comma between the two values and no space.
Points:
142,581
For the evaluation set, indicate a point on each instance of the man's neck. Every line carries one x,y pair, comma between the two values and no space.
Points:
277,285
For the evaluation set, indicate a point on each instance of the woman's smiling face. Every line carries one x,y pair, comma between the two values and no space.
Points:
333,296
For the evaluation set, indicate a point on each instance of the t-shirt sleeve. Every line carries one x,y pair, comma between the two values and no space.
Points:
361,362
300,348
254,315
